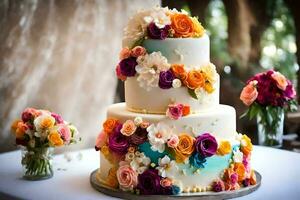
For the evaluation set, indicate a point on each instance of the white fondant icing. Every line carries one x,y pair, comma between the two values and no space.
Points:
157,100
191,52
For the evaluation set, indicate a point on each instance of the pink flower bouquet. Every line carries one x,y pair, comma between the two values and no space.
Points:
268,95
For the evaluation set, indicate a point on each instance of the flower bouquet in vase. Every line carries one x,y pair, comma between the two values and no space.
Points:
269,95
38,132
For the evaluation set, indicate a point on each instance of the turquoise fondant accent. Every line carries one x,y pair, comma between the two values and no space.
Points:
212,164
153,155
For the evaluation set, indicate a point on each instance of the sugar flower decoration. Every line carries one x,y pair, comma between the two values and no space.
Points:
149,68
137,161
206,145
158,135
158,16
127,177
164,165
237,156
128,128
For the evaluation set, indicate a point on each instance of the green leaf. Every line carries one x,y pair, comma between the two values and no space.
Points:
192,93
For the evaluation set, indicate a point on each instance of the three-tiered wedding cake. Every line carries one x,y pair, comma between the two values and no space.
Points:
171,135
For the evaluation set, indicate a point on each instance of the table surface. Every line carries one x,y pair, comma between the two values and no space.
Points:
280,172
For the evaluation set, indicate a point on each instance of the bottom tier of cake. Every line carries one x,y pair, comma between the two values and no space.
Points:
150,154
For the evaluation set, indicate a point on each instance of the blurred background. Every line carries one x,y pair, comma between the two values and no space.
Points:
61,55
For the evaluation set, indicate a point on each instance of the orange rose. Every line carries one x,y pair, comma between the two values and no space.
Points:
14,125
109,125
21,129
224,148
240,169
195,79
111,179
179,71
55,139
246,145
249,94
184,148
227,174
182,25
186,110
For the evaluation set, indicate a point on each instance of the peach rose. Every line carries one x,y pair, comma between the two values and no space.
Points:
128,128
125,53
109,125
179,71
173,141
224,148
166,182
182,25
21,130
240,169
101,140
184,148
249,93
138,51
55,139
252,178
195,79
280,80
246,145
127,177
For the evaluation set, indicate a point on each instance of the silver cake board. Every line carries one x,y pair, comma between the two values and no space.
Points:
197,195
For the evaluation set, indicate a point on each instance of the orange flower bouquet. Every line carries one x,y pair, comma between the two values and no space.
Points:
38,132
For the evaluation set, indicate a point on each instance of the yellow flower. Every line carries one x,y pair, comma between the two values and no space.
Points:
224,148
55,139
111,179
209,87
198,28
246,145
210,72
104,150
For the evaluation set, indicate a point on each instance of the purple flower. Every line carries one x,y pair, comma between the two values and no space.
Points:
246,182
165,79
218,186
117,142
206,145
158,33
127,66
58,118
289,92
139,137
149,182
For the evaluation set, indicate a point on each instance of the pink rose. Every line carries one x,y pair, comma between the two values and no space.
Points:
166,182
101,140
249,93
128,128
138,51
64,132
29,114
173,141
175,111
246,162
119,74
125,53
280,80
127,178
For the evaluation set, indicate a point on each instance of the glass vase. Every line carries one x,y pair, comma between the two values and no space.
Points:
270,134
37,163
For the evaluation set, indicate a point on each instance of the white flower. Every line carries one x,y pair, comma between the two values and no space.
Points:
138,120
136,28
176,83
158,135
164,165
237,156
159,17
44,122
148,69
138,161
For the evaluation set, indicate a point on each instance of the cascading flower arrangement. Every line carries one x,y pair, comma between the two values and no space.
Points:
268,96
38,132
145,156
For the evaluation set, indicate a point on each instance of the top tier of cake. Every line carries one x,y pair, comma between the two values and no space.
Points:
165,60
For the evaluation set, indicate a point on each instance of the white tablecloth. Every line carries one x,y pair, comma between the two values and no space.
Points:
280,172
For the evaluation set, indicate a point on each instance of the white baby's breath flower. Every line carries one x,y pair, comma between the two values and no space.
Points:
138,161
176,83
158,135
237,156
148,69
138,120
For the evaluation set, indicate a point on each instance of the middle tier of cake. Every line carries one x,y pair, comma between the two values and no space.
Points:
219,121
